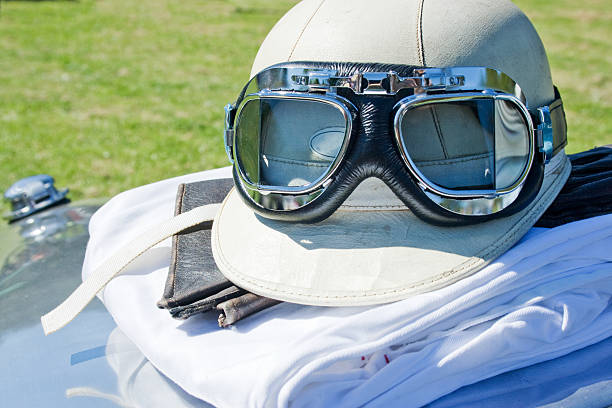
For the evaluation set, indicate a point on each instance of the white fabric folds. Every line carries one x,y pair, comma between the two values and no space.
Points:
546,297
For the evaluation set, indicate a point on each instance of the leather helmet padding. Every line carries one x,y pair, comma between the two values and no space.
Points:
373,152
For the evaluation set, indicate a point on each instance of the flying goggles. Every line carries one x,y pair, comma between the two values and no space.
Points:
457,145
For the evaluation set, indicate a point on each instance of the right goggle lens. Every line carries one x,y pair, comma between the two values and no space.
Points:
288,142
473,144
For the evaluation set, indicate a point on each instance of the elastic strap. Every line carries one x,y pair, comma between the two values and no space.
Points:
76,302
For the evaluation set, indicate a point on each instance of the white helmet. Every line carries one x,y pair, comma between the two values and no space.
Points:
373,249
434,33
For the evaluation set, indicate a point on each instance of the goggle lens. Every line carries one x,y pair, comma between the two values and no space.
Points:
473,144
288,142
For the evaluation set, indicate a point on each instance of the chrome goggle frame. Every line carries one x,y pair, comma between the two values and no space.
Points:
448,84
467,202
289,198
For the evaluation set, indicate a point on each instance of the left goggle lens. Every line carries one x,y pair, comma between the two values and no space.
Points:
288,142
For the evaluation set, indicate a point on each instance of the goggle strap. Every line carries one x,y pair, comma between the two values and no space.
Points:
559,124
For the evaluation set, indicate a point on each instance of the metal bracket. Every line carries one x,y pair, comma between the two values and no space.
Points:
228,134
544,133
378,82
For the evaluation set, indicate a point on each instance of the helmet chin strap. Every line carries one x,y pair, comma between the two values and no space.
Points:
76,302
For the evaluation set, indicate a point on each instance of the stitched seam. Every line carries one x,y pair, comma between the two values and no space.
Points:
548,170
453,161
419,33
471,262
372,206
298,162
371,209
534,212
455,272
179,210
438,130
304,29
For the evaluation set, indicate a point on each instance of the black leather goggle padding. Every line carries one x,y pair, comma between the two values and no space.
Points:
373,152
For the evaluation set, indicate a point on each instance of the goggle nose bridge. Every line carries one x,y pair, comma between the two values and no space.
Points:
376,83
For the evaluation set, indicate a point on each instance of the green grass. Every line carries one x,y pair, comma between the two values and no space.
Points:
110,94
578,39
